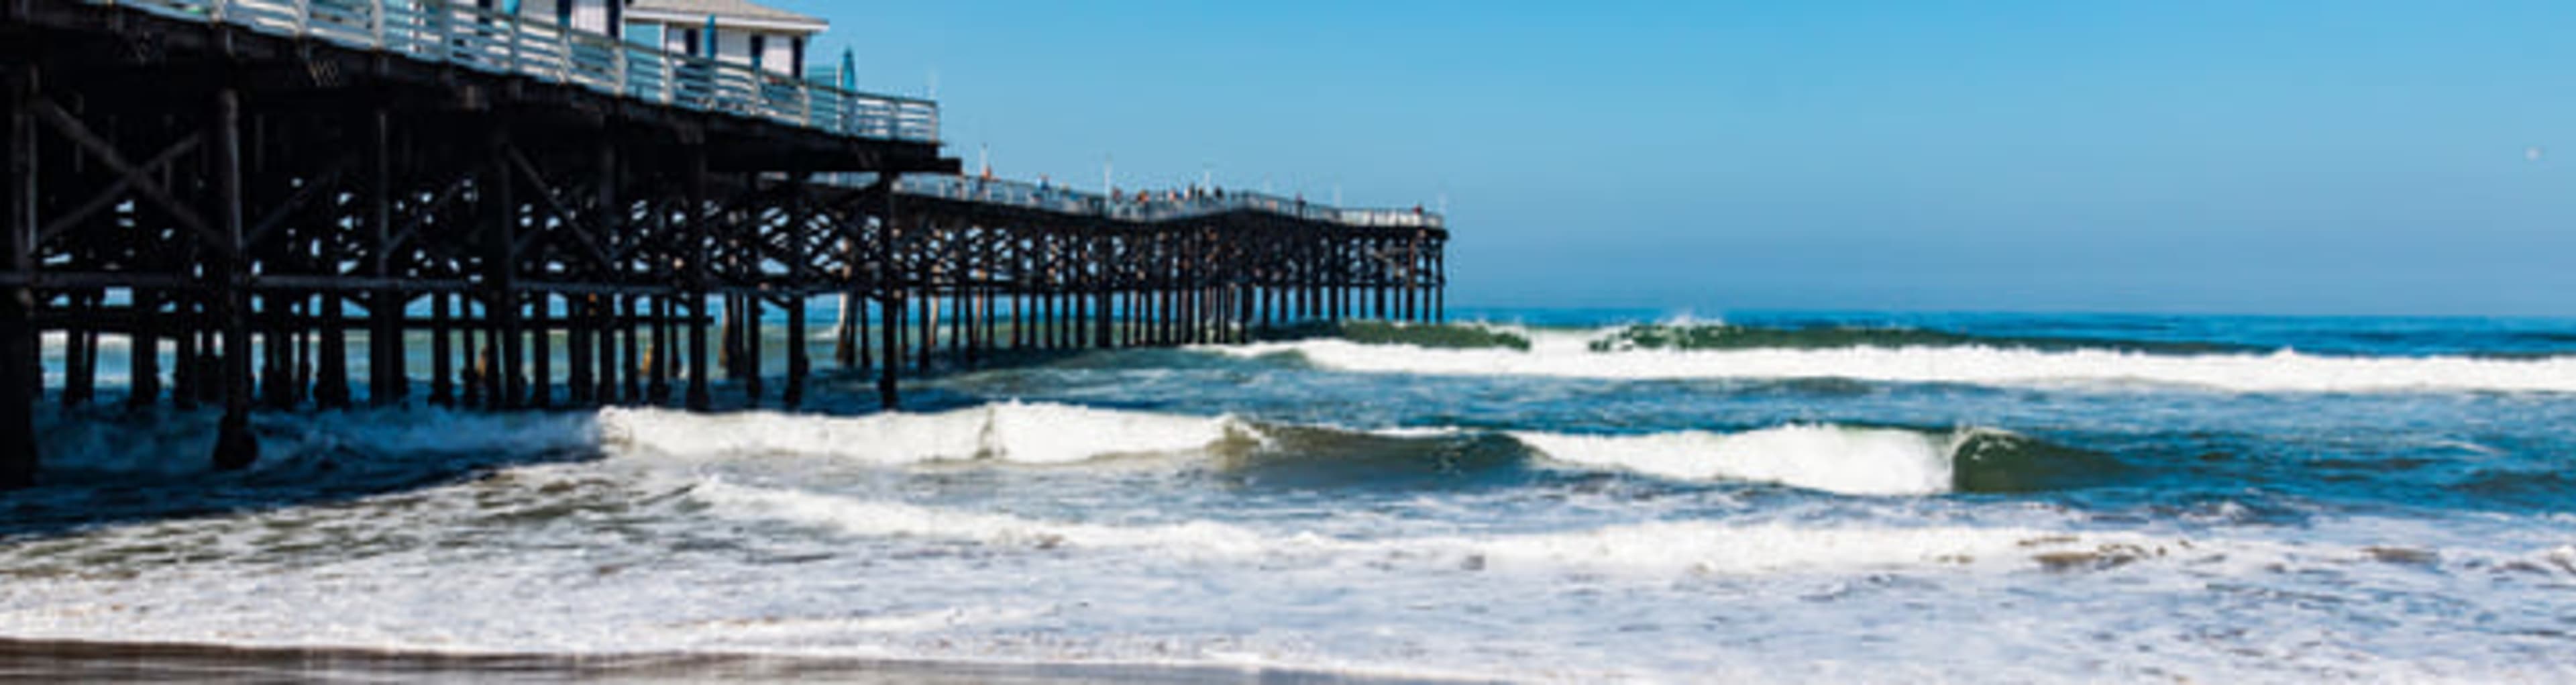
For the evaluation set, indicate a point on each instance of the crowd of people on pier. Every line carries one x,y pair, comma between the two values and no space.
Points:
1139,204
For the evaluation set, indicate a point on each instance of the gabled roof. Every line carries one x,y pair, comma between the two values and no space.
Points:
725,12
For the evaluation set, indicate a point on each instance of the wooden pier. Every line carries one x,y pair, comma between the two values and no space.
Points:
242,192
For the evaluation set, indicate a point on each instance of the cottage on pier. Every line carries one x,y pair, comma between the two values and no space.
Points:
748,34
595,16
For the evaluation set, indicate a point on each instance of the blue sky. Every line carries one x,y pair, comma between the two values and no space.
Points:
2267,157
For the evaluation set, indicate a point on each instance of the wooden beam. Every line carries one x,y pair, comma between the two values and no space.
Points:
20,377
235,447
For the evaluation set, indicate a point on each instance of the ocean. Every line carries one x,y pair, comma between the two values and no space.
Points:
1535,495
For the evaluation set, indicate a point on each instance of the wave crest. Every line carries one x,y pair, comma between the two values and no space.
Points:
1717,336
1011,431
1856,461
2283,371
1839,459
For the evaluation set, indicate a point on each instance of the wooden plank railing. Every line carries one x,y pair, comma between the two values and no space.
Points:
494,41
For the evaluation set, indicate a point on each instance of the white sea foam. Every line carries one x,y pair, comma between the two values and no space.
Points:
1659,547
613,568
2284,371
889,518
1855,461
1012,431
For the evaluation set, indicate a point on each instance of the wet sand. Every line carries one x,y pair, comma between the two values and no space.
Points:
65,662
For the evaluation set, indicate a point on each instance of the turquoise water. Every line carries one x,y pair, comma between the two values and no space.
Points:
1547,495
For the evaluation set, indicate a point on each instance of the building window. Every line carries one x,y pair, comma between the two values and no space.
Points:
796,57
617,18
690,36
563,13
759,50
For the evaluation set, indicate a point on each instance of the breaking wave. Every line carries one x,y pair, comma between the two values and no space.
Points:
1841,459
1830,458
1845,460
1005,432
1698,336
374,448
1977,363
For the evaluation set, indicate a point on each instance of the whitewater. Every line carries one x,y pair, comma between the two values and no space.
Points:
1574,355
1783,498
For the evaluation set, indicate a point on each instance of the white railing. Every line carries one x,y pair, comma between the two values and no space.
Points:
494,41
1151,206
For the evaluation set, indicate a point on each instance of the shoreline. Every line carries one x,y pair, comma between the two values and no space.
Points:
54,661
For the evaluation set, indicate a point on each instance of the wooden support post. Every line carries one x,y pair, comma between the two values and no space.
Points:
1379,275
753,306
845,329
187,383
729,336
580,372
986,290
1174,259
541,350
889,302
502,300
1243,302
477,351
696,238
1346,273
859,320
277,350
235,447
599,334
442,357
603,334
1185,300
1417,303
798,364
331,384
1440,282
1102,316
958,330
1050,326
388,379
659,361
80,349
630,353
929,325
580,319
21,378
143,351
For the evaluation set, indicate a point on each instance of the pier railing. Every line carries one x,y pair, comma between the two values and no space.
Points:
1152,206
498,42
